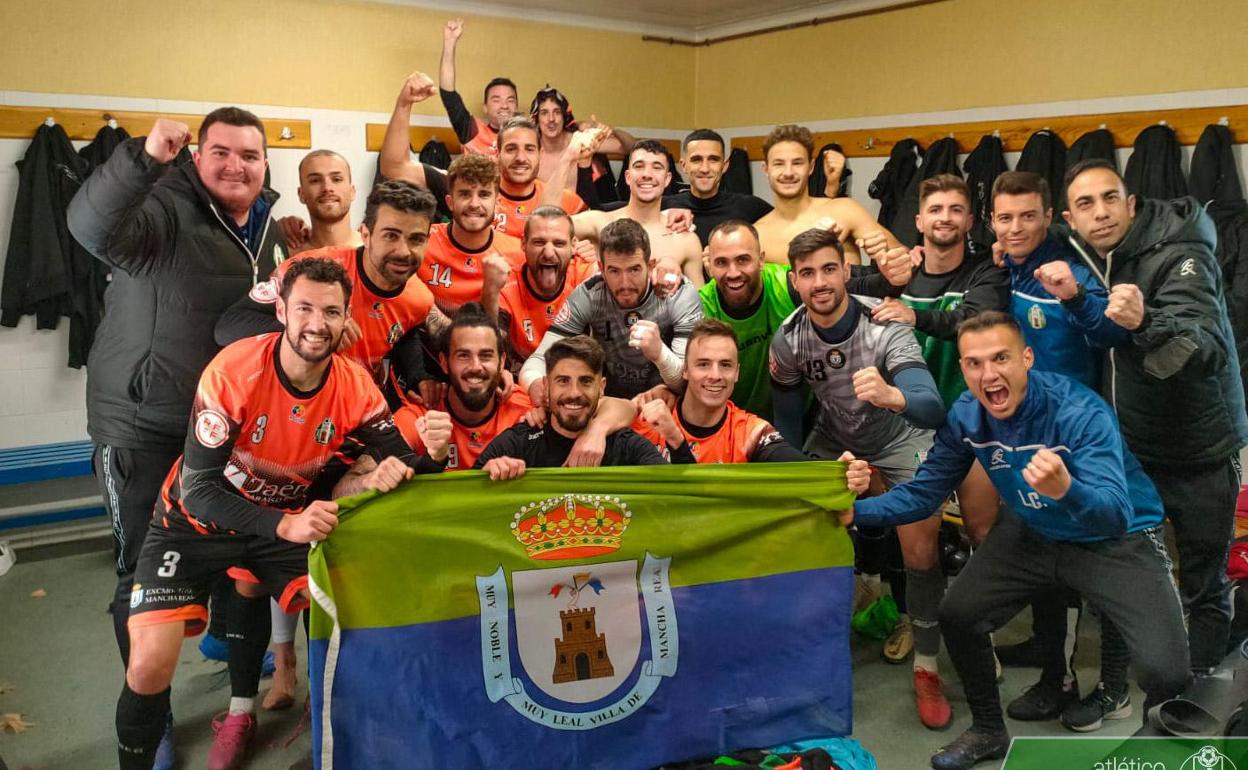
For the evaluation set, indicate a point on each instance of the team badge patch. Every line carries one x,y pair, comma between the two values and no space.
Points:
1035,318
325,432
835,358
578,628
136,595
264,292
396,334
297,412
211,428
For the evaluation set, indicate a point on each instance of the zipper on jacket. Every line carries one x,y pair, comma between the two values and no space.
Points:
1104,278
255,263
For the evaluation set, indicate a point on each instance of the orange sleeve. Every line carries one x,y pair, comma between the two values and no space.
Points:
572,203
405,420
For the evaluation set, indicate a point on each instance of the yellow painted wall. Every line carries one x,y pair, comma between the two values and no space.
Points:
960,54
329,54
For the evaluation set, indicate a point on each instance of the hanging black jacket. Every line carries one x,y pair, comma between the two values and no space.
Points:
891,183
737,178
1098,143
435,154
940,158
819,180
1045,154
1215,174
36,273
1155,168
985,163
1174,381
177,265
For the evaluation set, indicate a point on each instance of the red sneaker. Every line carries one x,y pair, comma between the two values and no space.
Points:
235,735
929,699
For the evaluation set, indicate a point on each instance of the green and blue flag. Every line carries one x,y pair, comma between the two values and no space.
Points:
584,618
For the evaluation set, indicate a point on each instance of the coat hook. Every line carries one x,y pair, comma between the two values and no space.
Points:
49,121
286,134
1103,127
1161,122
996,133
110,120
870,143
1224,121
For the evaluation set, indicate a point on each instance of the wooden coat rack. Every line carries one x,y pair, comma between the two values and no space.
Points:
81,124
1125,126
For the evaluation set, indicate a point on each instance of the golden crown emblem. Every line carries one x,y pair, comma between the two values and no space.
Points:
571,526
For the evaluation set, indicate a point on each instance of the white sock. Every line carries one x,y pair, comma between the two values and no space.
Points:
926,663
242,705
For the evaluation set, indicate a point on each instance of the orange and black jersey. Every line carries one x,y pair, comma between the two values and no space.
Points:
384,317
739,437
453,273
510,213
528,316
468,440
256,444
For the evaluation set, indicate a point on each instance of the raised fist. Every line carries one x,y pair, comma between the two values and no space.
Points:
417,88
166,140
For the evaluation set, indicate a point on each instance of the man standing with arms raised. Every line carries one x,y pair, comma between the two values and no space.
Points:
501,103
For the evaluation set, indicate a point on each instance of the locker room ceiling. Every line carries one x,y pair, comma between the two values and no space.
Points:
682,19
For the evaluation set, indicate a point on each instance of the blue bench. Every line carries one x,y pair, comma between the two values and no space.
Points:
32,496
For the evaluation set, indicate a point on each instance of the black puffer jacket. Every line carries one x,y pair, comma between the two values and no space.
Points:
1175,385
177,266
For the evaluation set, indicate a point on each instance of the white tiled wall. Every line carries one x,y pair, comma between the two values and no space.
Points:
41,399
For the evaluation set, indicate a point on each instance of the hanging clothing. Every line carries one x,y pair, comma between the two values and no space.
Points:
36,272
819,180
1045,154
940,158
1215,174
737,178
435,154
985,163
1155,168
1098,143
891,183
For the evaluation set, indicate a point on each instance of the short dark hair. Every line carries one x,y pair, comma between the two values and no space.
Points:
471,315
317,269
652,146
943,183
323,154
790,133
710,327
485,95
623,236
704,135
549,212
989,319
731,226
472,168
232,116
400,195
1023,183
584,349
812,240
514,122
1087,165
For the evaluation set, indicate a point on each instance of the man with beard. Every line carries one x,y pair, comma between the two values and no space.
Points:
647,176
753,296
644,334
576,387
184,244
454,267
388,307
704,159
526,301
269,413
788,154
325,188
1081,514
877,400
520,191
476,135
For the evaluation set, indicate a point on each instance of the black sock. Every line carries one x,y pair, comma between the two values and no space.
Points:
140,725
249,629
218,607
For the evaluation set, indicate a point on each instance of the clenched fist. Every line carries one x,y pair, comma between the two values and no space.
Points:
166,140
875,246
657,414
434,429
417,88
451,32
497,268
1057,279
1047,474
311,525
857,473
388,474
1126,306
869,386
893,310
504,468
645,336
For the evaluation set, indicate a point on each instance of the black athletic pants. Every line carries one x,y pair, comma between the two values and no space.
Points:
1127,580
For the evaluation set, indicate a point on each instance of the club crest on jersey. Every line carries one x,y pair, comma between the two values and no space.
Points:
136,595
474,437
211,428
632,318
396,333
265,292
579,635
1035,318
470,263
375,311
835,358
325,432
997,460
550,311
297,413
